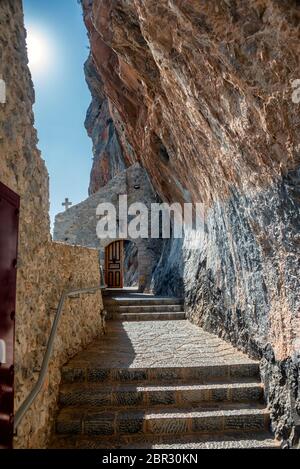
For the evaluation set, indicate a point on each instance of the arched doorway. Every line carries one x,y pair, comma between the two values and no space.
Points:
114,264
122,264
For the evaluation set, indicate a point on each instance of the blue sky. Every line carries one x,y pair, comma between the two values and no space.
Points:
58,48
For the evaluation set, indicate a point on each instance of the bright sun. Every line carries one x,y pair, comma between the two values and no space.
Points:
39,51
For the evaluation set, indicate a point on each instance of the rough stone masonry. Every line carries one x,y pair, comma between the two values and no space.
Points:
202,92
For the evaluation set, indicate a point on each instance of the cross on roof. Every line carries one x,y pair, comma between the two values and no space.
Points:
67,204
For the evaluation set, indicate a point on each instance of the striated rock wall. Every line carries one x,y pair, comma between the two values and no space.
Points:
45,268
131,264
204,92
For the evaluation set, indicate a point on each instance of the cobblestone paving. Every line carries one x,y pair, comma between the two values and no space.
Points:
158,344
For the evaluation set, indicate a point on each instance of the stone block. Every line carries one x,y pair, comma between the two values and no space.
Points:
99,424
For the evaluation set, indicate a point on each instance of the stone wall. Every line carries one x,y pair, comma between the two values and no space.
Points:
45,268
63,268
204,92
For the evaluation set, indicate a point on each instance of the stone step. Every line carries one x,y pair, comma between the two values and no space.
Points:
237,440
179,395
76,421
163,316
122,291
95,374
143,303
146,309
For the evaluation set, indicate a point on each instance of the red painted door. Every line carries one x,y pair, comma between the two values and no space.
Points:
9,221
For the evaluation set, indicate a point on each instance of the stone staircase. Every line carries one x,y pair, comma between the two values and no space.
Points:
142,307
160,384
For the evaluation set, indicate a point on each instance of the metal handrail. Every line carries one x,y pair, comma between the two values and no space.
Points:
42,376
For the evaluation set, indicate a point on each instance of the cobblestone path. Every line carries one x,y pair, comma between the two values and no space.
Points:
160,384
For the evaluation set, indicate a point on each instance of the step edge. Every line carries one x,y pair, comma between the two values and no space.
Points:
98,387
169,414
267,440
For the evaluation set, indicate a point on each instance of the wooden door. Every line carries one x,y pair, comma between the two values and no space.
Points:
114,258
9,221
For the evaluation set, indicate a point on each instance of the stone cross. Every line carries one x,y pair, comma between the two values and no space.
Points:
67,204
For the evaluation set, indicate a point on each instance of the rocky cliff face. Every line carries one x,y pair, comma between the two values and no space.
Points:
109,159
202,92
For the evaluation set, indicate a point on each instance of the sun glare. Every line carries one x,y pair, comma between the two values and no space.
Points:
39,51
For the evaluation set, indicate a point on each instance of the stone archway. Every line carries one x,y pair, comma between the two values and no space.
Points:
122,264
144,260
114,264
